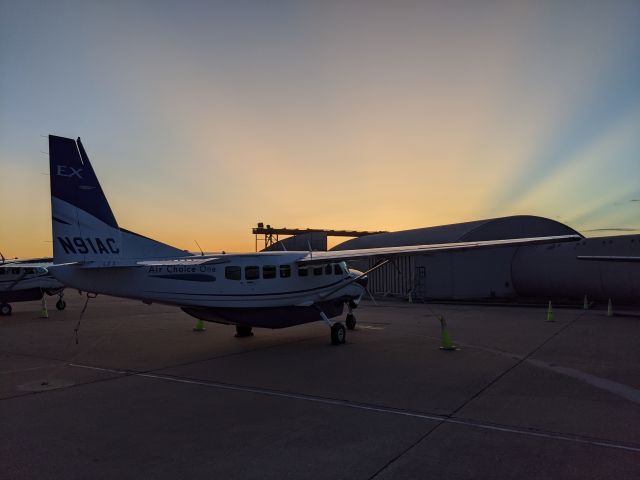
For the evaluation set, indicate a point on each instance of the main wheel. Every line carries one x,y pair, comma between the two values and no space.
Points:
243,331
338,334
61,304
351,321
5,309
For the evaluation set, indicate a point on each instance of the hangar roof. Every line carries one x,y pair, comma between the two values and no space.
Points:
517,226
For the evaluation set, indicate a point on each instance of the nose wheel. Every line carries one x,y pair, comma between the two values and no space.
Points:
351,318
350,321
338,332
5,309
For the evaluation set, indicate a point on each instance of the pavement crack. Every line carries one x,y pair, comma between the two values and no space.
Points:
477,394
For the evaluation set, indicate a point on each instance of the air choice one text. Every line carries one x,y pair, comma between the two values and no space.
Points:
181,269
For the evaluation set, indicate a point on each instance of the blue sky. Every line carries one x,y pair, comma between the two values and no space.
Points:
203,118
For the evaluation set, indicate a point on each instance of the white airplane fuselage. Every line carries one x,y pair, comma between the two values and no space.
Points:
18,278
234,289
22,281
267,289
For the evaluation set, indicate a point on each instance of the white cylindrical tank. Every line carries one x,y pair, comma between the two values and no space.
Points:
552,271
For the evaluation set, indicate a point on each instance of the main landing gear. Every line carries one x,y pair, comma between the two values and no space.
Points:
338,334
5,309
243,331
61,304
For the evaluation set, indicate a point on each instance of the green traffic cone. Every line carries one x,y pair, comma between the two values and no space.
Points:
199,326
43,311
550,315
446,340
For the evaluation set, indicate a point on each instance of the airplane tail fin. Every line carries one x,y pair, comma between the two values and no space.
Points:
84,227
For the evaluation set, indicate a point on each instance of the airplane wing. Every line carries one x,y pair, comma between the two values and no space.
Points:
610,258
184,261
16,281
175,262
388,252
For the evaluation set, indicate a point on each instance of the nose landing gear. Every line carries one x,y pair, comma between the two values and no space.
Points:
350,321
351,318
338,332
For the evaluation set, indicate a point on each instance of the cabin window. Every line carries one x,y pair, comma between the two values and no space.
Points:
303,271
15,271
285,271
252,272
2,271
337,269
327,269
269,271
232,273
317,270
29,271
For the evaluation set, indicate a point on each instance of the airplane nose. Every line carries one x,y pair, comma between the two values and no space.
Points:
363,282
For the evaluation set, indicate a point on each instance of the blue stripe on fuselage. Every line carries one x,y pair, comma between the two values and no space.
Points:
189,277
288,292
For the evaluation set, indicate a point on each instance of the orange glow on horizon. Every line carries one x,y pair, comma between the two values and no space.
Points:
202,121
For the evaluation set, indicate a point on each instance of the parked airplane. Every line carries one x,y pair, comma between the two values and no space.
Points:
267,289
26,280
609,258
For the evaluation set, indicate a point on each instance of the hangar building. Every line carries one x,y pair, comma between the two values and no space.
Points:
542,271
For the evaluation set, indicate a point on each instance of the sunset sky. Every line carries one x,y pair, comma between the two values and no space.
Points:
203,118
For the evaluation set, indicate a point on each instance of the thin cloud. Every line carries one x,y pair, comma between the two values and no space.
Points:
613,229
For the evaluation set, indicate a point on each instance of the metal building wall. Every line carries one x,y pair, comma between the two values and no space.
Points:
393,278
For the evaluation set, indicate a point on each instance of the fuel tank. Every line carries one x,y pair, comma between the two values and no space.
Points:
551,271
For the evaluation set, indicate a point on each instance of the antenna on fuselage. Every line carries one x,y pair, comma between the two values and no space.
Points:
310,251
201,252
1,255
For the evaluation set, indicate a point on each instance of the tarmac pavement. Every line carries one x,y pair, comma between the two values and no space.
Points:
138,394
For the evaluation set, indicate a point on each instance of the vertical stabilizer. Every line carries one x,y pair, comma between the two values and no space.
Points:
84,227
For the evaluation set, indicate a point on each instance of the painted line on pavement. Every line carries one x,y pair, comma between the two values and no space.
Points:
370,408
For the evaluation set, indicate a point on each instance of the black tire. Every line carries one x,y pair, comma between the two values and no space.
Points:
338,334
61,304
243,331
350,321
5,309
